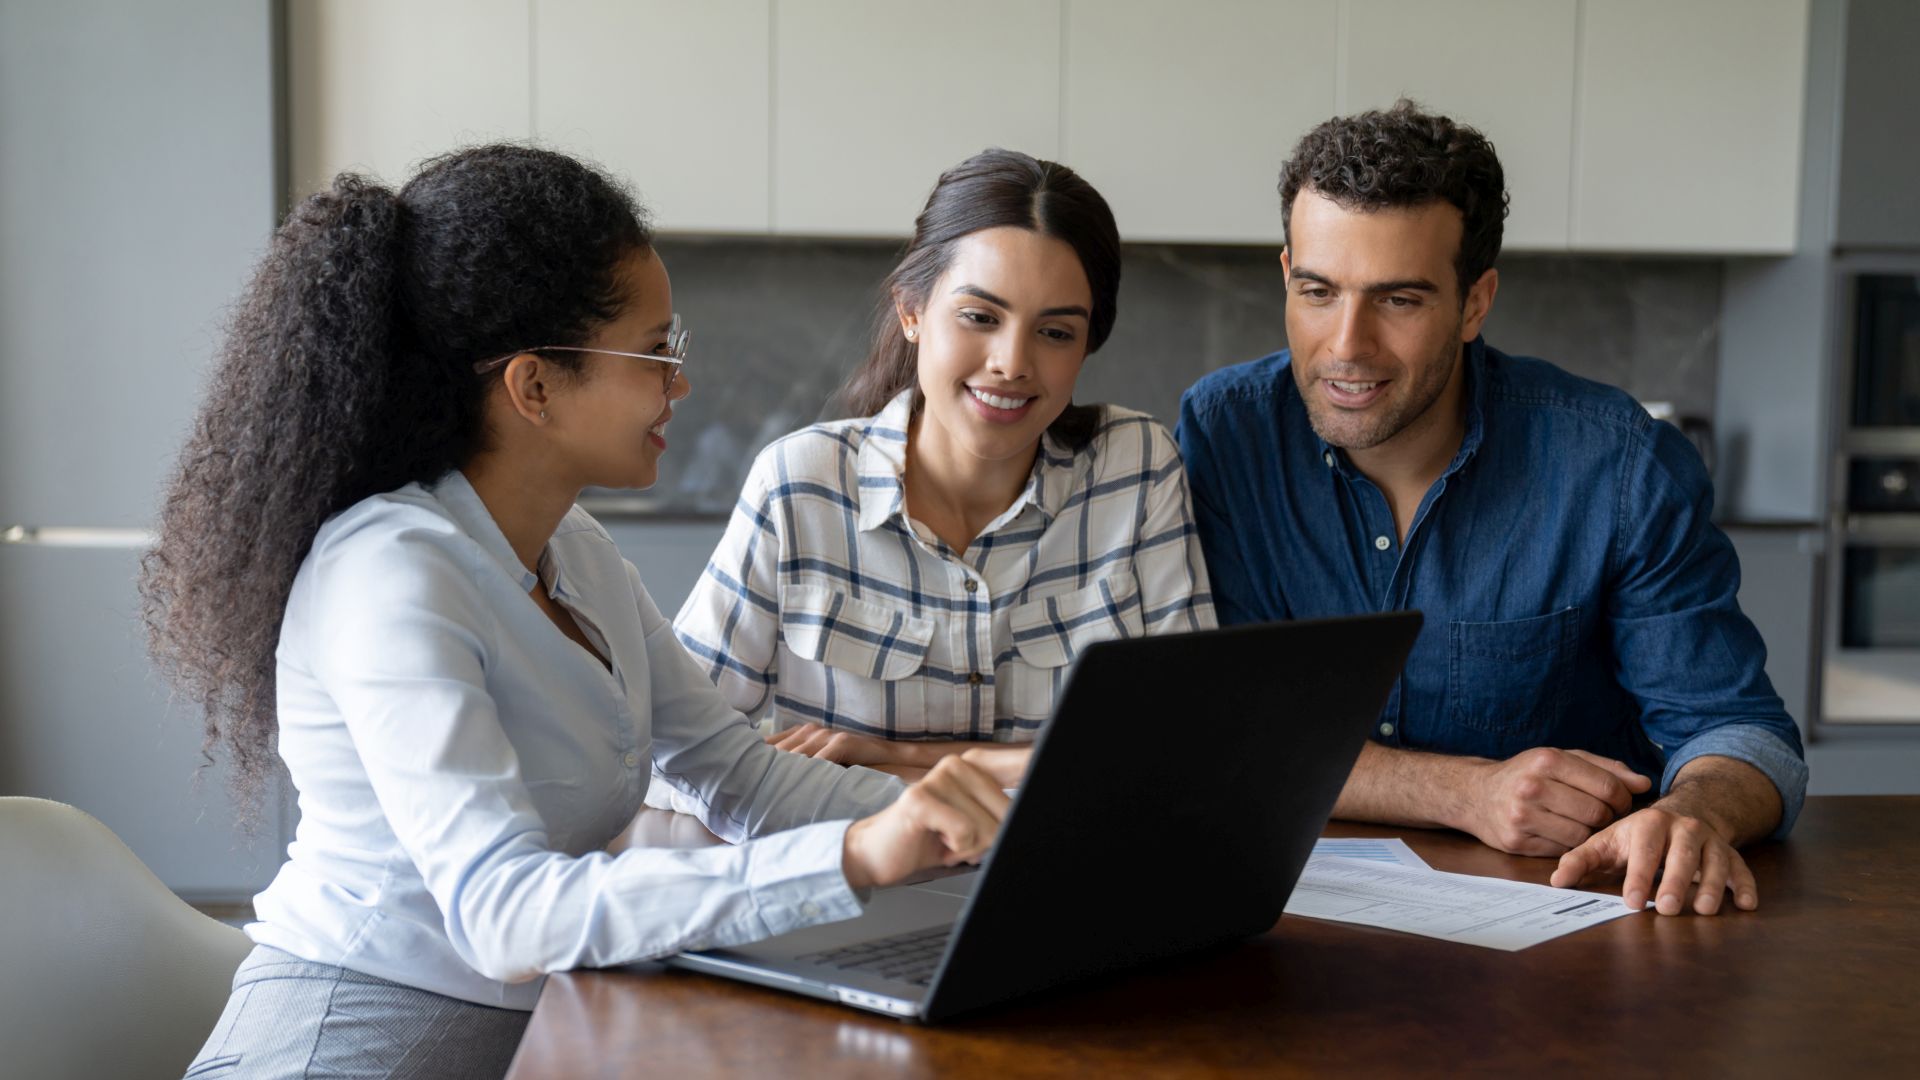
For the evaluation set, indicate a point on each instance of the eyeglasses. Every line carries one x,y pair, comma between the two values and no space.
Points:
670,356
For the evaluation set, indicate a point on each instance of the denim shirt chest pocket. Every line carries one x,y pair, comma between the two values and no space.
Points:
1508,681
872,642
1049,632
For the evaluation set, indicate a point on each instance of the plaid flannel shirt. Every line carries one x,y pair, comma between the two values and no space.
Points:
825,602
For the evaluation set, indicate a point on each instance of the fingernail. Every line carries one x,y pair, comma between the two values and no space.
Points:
1747,899
1636,899
1667,905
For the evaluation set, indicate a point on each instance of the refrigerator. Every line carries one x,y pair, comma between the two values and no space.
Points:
138,185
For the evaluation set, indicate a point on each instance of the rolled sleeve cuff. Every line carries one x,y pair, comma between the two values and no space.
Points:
1759,748
796,878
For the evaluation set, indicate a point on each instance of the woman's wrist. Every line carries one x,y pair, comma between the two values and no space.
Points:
851,867
922,755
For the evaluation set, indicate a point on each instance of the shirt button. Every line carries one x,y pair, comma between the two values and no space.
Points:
810,909
1328,458
1381,543
976,679
631,760
972,585
1386,729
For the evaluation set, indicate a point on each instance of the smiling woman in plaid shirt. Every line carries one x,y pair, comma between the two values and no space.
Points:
898,585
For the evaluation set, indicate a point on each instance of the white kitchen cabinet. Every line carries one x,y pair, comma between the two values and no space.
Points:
670,95
1624,125
1687,125
874,98
378,87
1503,66
1181,114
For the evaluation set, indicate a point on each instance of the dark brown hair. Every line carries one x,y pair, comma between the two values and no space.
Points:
1403,157
989,190
347,370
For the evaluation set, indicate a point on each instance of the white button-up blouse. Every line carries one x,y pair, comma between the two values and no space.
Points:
461,764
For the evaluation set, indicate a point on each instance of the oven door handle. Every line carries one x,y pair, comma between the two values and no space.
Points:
1897,529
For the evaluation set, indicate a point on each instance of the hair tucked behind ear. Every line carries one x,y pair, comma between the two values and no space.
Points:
347,370
991,189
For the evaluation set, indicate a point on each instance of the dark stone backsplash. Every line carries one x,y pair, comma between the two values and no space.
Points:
777,324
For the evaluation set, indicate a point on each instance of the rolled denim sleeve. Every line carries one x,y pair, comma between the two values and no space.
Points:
1686,652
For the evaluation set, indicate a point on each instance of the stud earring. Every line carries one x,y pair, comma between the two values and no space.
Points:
543,414
913,335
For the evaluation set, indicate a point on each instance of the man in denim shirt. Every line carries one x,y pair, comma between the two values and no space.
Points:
1582,640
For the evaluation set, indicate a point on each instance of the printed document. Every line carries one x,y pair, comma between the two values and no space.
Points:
1394,852
1490,912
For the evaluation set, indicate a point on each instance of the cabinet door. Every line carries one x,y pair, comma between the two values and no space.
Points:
670,95
873,98
379,87
1443,55
1778,568
1687,125
1181,114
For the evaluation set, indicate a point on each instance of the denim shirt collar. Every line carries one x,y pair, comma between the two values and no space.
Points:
881,494
1475,361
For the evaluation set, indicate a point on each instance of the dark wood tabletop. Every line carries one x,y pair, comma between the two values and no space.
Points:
1823,980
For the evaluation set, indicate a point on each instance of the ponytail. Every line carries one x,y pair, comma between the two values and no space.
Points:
346,371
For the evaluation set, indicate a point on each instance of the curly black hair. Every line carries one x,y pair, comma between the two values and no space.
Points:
991,189
346,371
1404,157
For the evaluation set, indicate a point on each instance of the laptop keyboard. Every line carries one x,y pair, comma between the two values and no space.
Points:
910,957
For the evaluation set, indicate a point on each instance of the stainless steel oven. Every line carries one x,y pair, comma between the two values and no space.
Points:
1872,669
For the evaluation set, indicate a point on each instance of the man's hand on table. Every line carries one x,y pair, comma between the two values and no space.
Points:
1674,844
1716,803
1545,801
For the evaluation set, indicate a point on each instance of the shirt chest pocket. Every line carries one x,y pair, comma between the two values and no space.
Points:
1509,680
1050,632
829,627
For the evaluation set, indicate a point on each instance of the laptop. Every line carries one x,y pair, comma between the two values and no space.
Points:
1171,802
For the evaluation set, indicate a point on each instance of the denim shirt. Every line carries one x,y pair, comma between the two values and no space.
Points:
1576,591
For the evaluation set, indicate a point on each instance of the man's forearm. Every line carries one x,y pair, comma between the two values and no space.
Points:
1406,787
1738,800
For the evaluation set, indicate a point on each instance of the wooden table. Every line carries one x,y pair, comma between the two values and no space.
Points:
1823,980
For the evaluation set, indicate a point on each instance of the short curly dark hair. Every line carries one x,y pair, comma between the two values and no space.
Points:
1405,157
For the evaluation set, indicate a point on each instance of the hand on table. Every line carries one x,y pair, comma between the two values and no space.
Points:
950,817
1546,801
1678,846
907,760
839,747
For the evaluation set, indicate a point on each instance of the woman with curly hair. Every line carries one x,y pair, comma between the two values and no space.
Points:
370,561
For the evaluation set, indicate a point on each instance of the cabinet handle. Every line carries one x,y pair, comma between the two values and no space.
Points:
76,536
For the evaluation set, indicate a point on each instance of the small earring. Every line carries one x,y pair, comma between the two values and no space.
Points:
543,414
913,335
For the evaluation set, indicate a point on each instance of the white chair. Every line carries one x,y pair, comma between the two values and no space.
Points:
103,971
